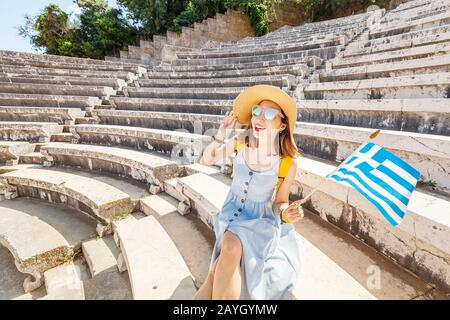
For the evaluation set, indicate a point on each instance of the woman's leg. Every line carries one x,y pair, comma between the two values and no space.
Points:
205,291
227,278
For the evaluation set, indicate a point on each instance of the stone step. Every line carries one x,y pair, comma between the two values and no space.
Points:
115,83
101,255
35,71
50,101
64,137
40,114
180,93
419,24
192,122
155,266
182,146
50,89
415,13
35,245
141,166
28,131
416,86
10,151
323,53
433,64
394,55
414,115
158,205
311,61
282,81
63,283
73,66
296,69
101,201
32,158
401,41
171,105
85,120
57,59
278,47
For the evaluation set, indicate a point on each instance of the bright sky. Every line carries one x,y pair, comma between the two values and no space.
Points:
12,14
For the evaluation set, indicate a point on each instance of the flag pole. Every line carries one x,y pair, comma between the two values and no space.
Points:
302,201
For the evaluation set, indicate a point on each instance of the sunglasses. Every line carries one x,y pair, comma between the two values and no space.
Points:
269,113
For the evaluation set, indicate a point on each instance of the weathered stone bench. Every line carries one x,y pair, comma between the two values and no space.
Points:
11,150
389,56
51,101
100,200
433,85
192,122
63,283
430,154
282,81
274,49
311,61
156,269
323,53
35,245
415,115
182,146
171,105
27,70
40,114
31,88
189,93
74,66
295,69
433,64
28,131
397,28
140,166
56,58
115,83
399,41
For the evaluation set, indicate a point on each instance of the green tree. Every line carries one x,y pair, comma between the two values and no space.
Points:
49,31
152,16
100,31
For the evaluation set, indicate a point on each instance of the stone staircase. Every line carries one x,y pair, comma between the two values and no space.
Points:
98,161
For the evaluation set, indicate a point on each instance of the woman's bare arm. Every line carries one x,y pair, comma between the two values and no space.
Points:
293,212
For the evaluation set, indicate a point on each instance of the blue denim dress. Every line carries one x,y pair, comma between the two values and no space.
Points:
270,261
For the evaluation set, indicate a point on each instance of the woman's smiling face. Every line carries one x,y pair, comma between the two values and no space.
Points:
268,128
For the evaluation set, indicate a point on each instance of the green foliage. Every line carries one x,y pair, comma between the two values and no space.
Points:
196,11
101,31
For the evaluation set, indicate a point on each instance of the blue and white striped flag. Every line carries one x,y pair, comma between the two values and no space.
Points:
381,177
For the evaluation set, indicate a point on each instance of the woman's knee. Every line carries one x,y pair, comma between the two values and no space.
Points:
231,245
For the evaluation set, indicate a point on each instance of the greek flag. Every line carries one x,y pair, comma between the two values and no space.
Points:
381,177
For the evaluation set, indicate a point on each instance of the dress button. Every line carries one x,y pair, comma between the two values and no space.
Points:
245,191
235,214
240,209
231,220
242,200
250,173
246,183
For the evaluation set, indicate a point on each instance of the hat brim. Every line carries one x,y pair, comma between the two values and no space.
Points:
244,102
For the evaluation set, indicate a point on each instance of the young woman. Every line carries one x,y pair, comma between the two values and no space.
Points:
256,254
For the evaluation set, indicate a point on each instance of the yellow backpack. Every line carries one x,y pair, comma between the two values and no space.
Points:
285,164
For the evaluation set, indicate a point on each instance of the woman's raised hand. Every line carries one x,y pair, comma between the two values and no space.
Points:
294,212
228,123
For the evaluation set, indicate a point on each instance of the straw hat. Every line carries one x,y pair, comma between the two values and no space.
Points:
244,102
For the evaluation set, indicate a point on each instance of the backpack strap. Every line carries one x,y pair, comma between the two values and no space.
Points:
285,165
